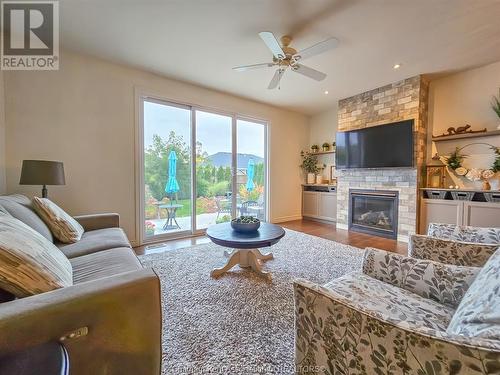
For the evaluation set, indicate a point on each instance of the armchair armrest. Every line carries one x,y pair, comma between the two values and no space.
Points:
450,251
443,283
335,336
99,221
122,314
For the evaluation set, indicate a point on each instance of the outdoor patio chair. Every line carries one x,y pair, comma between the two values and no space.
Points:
223,206
244,210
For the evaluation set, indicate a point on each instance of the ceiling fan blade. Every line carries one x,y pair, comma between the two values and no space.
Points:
309,72
316,49
276,79
253,66
272,43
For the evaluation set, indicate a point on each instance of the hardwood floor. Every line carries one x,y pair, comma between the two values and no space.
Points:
314,228
330,232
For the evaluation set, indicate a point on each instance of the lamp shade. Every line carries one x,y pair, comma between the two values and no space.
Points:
42,172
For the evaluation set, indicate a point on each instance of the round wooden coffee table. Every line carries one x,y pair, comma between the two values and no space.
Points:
245,246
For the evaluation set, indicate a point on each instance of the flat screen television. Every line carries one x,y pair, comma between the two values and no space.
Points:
384,146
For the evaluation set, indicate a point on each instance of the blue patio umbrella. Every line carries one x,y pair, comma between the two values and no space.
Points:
250,174
172,184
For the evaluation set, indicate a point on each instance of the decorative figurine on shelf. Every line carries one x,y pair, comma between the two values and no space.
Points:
314,148
459,130
326,146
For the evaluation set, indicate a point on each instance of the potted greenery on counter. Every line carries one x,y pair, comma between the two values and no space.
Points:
495,105
314,148
309,166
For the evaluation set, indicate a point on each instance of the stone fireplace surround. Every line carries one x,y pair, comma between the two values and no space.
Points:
402,100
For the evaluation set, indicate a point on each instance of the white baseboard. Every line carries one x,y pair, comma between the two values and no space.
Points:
283,219
403,238
342,226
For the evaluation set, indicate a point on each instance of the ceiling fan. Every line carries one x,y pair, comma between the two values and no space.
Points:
285,57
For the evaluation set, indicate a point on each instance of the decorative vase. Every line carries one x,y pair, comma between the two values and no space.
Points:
311,177
326,148
486,185
319,179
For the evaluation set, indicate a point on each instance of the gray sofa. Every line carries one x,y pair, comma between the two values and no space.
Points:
114,306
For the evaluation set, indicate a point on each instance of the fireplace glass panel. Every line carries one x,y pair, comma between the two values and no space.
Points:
373,212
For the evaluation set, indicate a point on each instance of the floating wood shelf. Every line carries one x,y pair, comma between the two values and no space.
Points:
465,135
322,152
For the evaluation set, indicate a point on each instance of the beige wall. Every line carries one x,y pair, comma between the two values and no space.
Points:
84,115
2,136
322,128
459,99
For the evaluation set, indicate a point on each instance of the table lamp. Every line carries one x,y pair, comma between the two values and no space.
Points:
42,172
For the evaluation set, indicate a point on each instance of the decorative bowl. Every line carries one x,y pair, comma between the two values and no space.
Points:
243,227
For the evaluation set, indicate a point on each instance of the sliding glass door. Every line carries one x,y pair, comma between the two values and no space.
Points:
214,150
199,168
251,168
167,168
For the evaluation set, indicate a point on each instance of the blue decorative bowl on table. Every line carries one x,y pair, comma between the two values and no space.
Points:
245,224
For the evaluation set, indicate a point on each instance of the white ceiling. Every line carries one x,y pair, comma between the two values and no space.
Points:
199,41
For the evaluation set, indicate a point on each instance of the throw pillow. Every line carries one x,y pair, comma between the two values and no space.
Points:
63,226
29,263
478,314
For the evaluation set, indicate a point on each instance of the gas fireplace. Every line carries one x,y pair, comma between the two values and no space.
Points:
374,212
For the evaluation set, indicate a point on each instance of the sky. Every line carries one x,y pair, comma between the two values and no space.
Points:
212,130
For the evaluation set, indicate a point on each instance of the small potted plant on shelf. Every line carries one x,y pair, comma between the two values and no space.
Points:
309,165
314,148
326,146
495,105
455,159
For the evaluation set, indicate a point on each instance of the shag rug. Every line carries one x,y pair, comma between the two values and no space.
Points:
239,323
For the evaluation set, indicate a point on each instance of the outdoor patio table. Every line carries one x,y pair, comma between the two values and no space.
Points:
171,212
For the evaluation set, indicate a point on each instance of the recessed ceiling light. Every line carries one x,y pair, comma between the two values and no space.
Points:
397,66
326,92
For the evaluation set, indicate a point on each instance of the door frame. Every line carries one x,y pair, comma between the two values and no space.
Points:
142,95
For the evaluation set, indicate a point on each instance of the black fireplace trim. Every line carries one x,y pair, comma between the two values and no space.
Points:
394,194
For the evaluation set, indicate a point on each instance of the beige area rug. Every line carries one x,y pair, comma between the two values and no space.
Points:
239,323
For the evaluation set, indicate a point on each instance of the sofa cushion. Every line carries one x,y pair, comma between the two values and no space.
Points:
20,207
464,233
478,314
396,305
95,240
104,264
63,226
29,263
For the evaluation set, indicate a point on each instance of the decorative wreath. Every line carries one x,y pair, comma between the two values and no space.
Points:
454,162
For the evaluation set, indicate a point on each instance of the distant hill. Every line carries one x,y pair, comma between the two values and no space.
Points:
224,159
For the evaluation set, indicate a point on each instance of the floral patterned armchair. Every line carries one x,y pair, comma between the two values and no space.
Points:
453,244
400,315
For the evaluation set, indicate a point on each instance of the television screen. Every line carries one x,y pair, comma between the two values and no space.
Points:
381,146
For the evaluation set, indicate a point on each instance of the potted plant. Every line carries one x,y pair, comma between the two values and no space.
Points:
455,159
495,105
150,228
309,165
326,146
314,148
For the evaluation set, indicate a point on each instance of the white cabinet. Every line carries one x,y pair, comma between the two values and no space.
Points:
478,214
319,205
